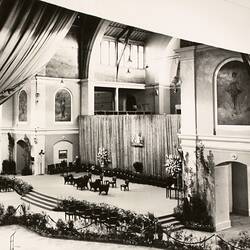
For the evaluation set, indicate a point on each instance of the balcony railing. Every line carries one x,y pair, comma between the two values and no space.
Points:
110,112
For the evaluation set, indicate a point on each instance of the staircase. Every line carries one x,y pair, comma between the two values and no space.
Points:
40,200
170,222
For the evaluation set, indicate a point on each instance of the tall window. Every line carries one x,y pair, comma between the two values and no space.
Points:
22,106
63,106
108,53
133,51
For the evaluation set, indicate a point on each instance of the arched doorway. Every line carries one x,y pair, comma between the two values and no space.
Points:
20,156
231,192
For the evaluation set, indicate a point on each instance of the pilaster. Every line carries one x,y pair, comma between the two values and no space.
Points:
87,97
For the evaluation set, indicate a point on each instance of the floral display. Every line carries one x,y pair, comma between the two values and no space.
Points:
173,165
103,156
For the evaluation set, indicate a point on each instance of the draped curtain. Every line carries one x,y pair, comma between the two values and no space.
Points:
30,32
114,132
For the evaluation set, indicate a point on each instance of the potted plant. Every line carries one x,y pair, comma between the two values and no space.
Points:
138,166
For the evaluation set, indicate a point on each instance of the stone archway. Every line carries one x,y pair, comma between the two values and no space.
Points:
20,156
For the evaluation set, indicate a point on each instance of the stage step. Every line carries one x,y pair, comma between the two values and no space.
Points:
170,221
41,200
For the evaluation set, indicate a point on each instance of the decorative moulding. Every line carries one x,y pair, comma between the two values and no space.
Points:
234,157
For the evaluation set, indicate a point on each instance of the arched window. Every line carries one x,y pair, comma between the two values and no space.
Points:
63,106
22,106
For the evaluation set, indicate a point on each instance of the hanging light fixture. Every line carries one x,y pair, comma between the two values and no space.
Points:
129,62
37,95
176,82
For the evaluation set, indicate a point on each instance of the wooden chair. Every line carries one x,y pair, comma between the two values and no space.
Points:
82,182
112,223
96,213
104,188
103,217
125,186
87,215
95,185
68,179
70,213
113,182
80,211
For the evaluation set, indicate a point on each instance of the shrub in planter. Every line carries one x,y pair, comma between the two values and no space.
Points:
138,166
61,226
26,171
20,186
9,217
159,231
194,214
8,167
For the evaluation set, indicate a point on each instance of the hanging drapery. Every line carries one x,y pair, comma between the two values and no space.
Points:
30,32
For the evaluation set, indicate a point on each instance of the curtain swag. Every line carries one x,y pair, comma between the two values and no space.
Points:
30,31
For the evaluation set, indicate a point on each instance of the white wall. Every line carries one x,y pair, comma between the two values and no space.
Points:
161,62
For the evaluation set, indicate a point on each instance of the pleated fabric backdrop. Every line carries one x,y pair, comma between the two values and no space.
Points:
115,133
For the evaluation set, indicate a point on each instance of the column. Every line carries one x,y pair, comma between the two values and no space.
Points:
87,97
117,99
188,110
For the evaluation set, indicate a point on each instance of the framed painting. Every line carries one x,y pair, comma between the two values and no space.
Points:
22,106
62,154
63,106
233,89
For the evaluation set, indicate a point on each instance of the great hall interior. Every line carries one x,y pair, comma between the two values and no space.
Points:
78,76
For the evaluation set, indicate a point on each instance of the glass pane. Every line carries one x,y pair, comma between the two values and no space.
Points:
112,53
141,57
134,56
105,52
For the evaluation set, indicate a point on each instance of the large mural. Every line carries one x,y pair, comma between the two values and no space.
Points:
233,94
22,107
64,62
63,106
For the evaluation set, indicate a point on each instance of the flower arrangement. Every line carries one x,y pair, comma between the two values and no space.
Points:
103,156
173,165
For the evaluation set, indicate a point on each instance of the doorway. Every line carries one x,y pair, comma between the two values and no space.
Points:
20,156
231,192
239,189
